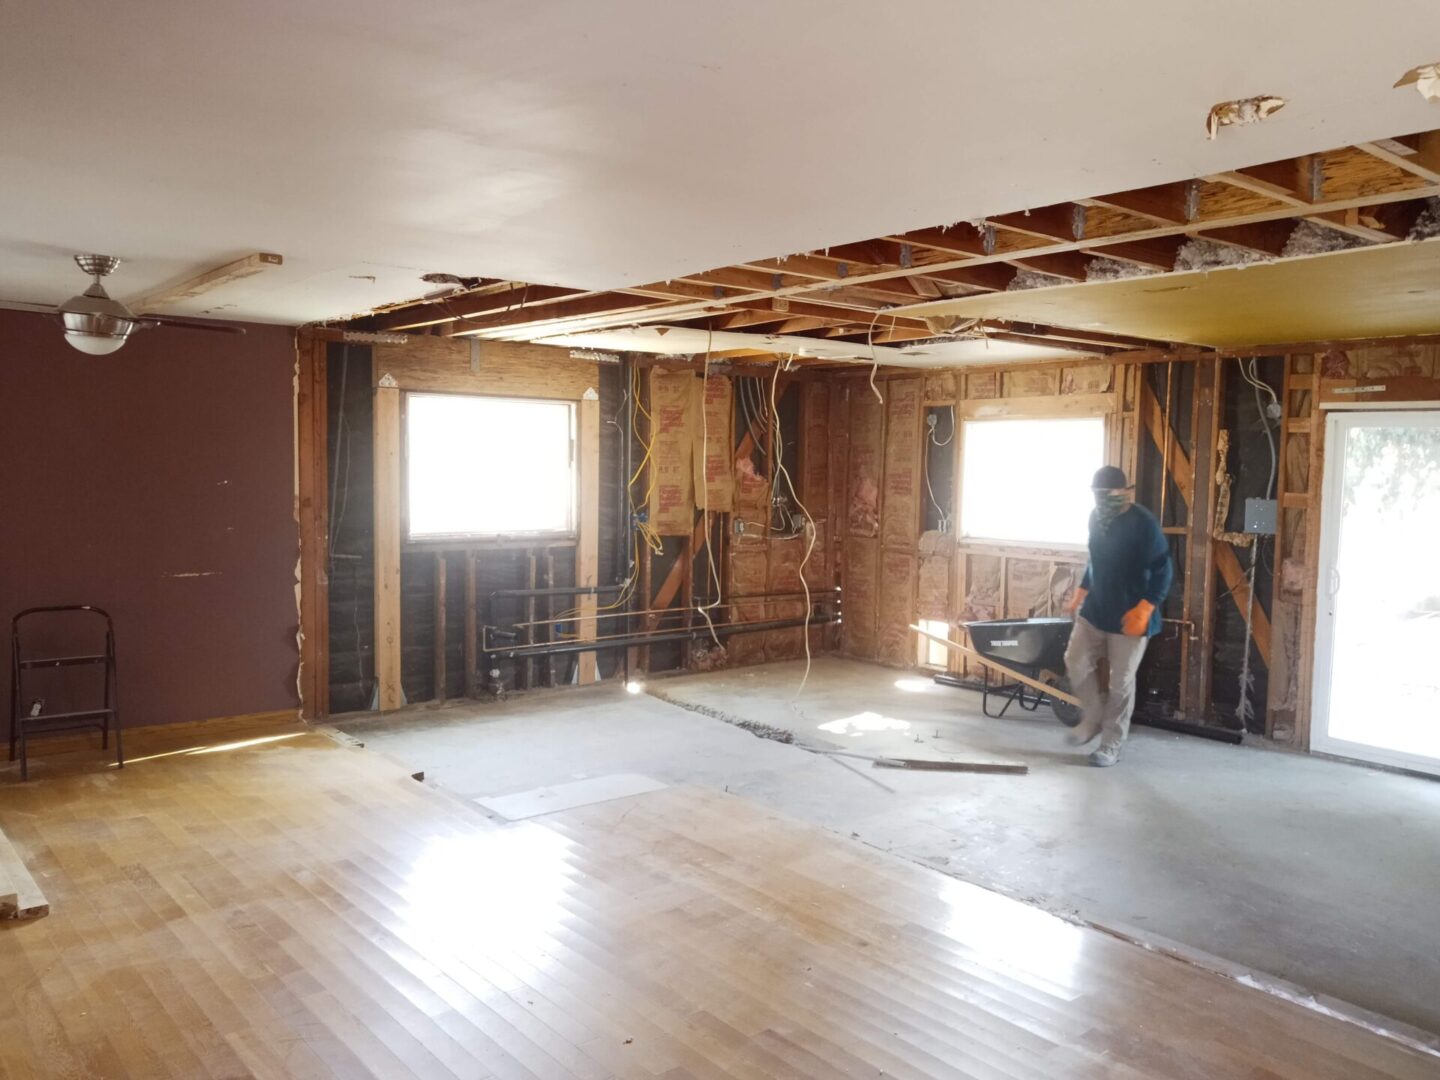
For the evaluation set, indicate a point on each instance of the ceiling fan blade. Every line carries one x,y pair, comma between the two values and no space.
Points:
26,305
189,324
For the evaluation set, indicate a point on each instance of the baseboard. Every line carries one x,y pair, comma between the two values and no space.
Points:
74,742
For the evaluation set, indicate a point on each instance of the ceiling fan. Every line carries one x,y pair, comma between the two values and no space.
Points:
98,325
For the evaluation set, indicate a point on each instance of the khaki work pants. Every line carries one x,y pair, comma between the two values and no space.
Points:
1108,712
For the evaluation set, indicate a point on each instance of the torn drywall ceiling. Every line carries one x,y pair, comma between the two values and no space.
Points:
1425,79
1249,110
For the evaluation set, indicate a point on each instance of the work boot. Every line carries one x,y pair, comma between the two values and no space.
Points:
1108,754
1082,733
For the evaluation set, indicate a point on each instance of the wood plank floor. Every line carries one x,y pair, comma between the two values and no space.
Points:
297,908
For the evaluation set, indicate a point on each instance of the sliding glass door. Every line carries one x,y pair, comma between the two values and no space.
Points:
1377,640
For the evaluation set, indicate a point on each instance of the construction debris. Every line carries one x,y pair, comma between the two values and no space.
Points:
1014,768
1242,111
949,325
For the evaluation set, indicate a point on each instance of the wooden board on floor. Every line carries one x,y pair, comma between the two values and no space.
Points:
298,908
20,897
537,802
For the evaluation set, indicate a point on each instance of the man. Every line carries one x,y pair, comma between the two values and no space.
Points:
1118,602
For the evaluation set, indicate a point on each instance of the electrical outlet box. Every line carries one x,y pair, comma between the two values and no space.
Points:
1260,516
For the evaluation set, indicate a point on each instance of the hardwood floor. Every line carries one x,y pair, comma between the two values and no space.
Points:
293,907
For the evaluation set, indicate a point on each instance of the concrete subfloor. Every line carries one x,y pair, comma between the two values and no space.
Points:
1321,873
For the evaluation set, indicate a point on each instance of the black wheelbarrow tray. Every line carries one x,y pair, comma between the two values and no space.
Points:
1033,647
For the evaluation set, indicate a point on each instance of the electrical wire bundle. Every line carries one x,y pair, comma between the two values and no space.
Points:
1244,711
945,518
639,531
809,524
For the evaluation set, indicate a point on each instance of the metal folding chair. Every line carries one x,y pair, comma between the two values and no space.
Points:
24,724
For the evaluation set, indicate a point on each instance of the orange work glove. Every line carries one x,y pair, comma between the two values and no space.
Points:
1076,599
1137,620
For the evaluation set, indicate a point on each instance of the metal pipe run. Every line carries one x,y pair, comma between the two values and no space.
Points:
626,640
561,590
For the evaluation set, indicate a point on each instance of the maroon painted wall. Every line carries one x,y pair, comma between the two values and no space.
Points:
156,483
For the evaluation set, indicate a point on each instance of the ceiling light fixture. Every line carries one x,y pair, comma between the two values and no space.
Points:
94,323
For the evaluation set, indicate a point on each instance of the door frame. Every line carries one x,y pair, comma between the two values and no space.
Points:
1337,423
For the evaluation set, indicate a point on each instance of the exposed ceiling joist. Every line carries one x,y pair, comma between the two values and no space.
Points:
1167,204
1423,160
1265,237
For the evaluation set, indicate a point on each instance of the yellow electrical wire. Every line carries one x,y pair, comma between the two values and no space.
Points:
641,529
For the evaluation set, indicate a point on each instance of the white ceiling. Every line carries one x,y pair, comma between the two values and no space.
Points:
603,144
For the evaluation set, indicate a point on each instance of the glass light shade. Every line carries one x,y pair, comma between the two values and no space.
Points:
94,344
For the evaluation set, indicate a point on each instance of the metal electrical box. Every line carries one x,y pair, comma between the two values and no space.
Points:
1260,516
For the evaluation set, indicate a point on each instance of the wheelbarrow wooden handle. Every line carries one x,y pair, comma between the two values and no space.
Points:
964,651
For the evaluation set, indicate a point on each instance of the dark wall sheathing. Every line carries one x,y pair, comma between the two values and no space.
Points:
157,484
350,486
940,445
1250,464
1158,682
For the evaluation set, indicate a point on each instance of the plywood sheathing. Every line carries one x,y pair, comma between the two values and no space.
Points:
1385,291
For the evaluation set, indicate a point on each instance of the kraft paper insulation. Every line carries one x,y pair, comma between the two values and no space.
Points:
1087,379
982,588
863,502
672,411
1041,382
940,389
900,504
714,443
982,385
896,608
814,476
861,569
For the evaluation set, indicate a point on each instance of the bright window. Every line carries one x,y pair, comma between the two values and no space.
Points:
1029,480
485,466
932,652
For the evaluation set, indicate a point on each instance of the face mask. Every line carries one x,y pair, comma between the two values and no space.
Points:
1109,505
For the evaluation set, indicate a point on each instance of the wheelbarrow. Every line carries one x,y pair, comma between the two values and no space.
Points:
1030,654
